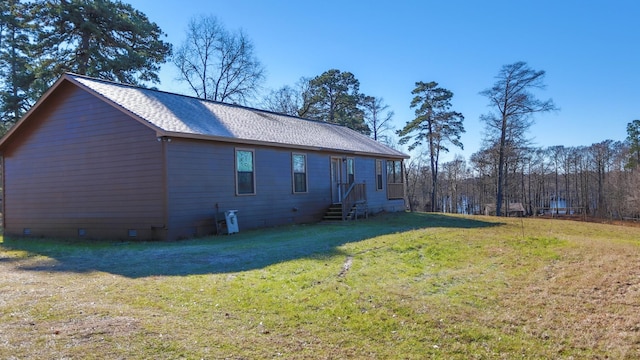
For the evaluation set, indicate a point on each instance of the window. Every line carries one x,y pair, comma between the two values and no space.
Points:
395,187
394,171
299,168
379,185
245,175
351,170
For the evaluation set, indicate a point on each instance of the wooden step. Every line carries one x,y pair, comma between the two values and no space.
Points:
334,213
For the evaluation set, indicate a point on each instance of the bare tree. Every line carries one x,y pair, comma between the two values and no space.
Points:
289,100
583,167
378,122
284,100
601,158
484,164
514,105
217,64
414,179
557,155
574,159
453,172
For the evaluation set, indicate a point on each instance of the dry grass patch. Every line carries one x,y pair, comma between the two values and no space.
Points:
589,299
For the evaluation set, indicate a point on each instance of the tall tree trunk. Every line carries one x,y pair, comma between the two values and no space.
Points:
567,188
14,76
529,190
601,202
434,184
501,161
433,156
83,54
585,190
556,190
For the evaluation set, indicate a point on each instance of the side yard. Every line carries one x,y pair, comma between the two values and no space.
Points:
407,286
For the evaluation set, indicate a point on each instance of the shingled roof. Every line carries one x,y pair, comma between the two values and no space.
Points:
184,116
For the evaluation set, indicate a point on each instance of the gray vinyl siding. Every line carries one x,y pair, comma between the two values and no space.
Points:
81,164
201,176
201,182
376,200
193,169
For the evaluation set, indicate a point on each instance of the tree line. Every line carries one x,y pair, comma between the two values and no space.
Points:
600,180
509,177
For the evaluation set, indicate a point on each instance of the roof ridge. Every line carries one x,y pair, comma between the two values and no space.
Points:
176,113
249,108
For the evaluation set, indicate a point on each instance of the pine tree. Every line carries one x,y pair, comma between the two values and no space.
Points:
434,124
16,70
335,97
100,38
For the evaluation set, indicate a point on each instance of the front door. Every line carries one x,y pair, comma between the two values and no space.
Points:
336,179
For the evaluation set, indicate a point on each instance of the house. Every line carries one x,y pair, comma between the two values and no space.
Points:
98,159
513,210
557,206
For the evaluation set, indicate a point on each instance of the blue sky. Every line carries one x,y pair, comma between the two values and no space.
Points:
590,51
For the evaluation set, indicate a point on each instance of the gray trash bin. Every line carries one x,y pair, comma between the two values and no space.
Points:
231,218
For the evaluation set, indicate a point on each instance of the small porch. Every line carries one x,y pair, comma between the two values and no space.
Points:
352,204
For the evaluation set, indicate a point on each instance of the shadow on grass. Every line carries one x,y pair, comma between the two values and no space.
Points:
247,250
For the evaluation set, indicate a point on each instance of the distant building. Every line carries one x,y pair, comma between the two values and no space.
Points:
514,210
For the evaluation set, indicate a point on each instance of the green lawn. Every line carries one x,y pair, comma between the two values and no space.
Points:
409,286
